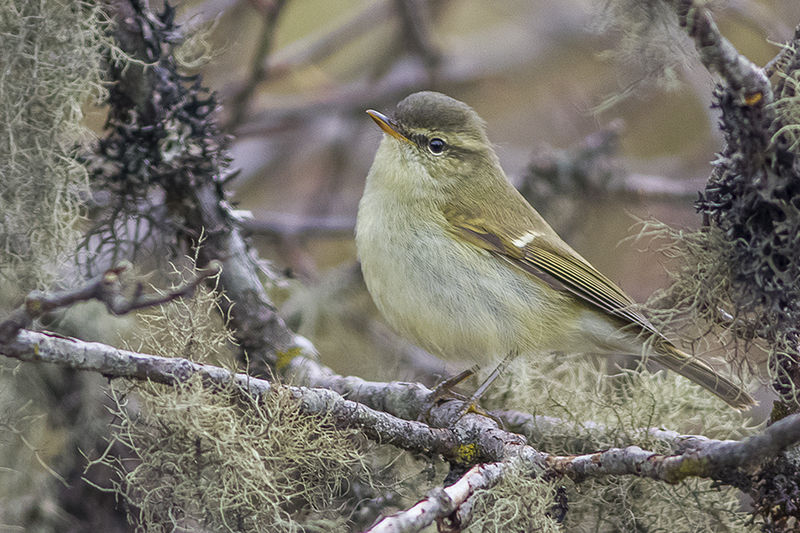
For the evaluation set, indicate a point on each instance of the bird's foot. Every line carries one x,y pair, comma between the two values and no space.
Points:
472,406
444,392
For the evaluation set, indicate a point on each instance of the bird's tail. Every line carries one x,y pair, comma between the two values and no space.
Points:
702,374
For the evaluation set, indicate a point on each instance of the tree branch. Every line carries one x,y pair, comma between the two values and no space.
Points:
117,363
258,65
415,18
409,401
194,194
720,56
106,288
536,427
442,502
474,439
318,46
714,461
458,67
291,225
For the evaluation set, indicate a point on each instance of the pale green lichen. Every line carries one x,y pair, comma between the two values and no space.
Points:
50,70
707,306
520,502
194,328
217,456
224,460
617,407
50,67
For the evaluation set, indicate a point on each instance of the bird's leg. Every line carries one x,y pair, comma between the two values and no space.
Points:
446,387
471,405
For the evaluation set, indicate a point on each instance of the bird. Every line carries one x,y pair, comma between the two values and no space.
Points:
459,262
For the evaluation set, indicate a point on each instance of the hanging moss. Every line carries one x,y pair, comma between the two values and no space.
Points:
616,408
217,456
51,57
219,459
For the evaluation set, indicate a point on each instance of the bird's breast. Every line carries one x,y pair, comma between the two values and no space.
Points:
446,295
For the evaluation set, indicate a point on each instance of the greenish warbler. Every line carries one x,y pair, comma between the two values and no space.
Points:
460,263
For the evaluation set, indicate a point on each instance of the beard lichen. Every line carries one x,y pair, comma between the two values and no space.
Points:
221,459
520,502
51,67
195,328
597,412
195,455
700,304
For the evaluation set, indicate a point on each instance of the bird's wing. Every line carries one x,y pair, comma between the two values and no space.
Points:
552,261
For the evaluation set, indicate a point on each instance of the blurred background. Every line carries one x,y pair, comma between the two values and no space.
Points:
600,113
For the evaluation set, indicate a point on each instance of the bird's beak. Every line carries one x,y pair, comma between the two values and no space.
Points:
387,125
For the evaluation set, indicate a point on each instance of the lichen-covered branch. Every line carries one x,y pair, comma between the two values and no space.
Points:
472,440
107,288
408,400
721,57
442,502
117,363
157,102
536,427
717,460
751,203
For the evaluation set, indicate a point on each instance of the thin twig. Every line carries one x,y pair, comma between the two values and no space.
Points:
469,60
258,69
315,48
415,17
287,224
106,288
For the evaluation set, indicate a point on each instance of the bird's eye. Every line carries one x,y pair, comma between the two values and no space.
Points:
436,146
